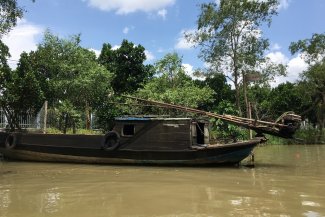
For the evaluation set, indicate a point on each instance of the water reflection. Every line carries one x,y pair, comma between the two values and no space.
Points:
281,184
50,200
4,199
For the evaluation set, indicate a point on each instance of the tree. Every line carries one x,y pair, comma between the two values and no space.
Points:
313,79
313,84
260,96
172,85
70,75
4,67
285,97
20,92
222,90
126,64
313,49
10,12
231,41
221,130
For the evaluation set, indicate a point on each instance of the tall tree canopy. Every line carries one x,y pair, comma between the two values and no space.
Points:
127,65
230,38
313,79
69,74
221,90
23,94
313,49
172,85
10,12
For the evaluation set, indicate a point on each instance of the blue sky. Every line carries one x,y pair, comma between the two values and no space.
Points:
158,25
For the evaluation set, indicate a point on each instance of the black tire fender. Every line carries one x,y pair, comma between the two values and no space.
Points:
111,141
11,141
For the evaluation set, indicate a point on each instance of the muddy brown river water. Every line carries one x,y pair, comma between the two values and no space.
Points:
286,181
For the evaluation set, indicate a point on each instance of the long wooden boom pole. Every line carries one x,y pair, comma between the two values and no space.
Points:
285,129
245,122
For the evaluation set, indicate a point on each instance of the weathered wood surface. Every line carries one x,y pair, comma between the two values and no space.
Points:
157,135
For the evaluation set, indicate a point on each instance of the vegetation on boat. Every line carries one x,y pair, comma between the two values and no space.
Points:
83,89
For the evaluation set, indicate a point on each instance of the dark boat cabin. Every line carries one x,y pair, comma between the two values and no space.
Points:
161,133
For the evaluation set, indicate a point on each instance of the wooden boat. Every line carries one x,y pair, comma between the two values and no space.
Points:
134,140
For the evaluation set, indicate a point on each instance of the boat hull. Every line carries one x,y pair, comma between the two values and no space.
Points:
62,148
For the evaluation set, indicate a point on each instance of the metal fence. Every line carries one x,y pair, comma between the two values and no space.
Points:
45,118
26,120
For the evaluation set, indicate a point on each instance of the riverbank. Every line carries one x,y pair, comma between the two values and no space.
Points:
302,136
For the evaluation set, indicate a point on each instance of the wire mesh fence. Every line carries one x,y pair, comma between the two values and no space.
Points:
26,120
47,117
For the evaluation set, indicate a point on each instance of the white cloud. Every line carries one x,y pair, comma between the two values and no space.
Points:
275,47
97,52
284,4
161,50
295,67
278,57
24,37
126,30
162,13
115,47
189,70
182,43
149,55
130,6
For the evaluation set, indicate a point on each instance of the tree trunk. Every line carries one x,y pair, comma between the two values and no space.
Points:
245,95
87,111
237,89
12,119
65,124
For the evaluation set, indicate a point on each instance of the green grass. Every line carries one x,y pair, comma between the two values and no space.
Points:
302,136
69,131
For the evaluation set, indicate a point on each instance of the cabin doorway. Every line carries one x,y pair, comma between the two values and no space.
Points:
200,133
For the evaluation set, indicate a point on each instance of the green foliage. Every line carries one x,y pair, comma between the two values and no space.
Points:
126,64
78,131
222,90
222,130
108,110
172,85
269,103
20,90
231,41
313,79
70,71
68,74
313,84
313,49
69,116
4,67
10,12
128,75
308,135
259,96
285,97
